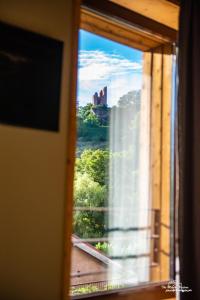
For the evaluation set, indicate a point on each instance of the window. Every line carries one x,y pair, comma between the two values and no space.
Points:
119,220
112,234
130,141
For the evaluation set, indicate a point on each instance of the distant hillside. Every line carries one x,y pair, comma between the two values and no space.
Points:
93,121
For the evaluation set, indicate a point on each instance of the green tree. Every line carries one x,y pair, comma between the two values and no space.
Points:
89,194
92,120
88,117
95,164
84,111
104,247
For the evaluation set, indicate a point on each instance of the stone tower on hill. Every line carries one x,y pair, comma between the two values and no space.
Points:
100,99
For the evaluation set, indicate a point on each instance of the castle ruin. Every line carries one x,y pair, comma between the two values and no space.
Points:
101,98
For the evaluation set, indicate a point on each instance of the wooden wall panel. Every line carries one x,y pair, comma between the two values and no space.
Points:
165,156
161,92
156,96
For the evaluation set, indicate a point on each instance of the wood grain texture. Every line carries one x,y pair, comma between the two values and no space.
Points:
117,31
113,10
165,155
161,92
155,153
162,11
156,102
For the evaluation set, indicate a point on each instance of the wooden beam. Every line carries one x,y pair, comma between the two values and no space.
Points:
155,153
117,32
156,102
161,92
161,11
165,170
123,14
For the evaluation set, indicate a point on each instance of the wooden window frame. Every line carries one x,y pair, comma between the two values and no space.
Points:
158,66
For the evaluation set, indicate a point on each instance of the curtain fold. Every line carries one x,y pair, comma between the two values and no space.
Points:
189,147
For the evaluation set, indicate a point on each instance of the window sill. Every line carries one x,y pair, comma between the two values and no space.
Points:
150,291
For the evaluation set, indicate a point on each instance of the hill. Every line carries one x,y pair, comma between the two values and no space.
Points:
93,121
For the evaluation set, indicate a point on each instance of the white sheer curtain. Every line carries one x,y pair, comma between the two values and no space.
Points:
129,197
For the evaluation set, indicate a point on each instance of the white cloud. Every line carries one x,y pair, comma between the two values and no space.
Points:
98,65
98,69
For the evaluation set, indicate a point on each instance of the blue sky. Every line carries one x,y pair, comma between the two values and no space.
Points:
103,62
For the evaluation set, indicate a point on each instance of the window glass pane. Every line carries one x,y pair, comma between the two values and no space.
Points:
114,240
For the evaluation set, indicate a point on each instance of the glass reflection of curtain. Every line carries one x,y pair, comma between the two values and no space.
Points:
129,205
